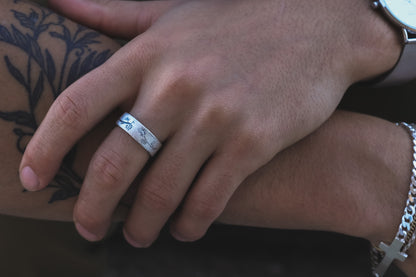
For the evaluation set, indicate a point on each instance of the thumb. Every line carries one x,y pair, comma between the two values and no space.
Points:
124,19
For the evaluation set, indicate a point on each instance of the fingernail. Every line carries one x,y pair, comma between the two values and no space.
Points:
132,242
85,233
29,179
178,237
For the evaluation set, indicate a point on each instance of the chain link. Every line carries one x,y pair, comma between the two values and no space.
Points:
407,227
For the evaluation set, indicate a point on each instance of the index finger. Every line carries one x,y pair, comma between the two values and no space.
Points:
79,108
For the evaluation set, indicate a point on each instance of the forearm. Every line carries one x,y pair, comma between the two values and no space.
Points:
40,54
317,184
328,180
337,179
307,186
351,176
267,190
306,157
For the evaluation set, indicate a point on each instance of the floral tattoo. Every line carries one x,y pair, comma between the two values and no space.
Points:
41,71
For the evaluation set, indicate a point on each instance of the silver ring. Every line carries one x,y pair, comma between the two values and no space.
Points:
139,133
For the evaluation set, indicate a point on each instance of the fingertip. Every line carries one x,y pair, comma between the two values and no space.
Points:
184,230
61,4
179,237
29,179
117,18
58,5
133,242
77,10
85,233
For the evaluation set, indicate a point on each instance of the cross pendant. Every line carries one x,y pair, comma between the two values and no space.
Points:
392,252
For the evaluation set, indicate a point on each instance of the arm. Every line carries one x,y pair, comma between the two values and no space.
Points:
225,85
40,54
274,180
338,179
351,176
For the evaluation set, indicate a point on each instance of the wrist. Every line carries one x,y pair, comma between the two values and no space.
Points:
391,205
374,45
408,266
391,156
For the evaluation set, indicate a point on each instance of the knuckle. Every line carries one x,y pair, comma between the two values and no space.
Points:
248,139
178,79
71,111
247,143
155,199
35,153
204,210
195,75
87,219
177,82
216,116
107,168
171,94
101,15
141,54
184,80
39,158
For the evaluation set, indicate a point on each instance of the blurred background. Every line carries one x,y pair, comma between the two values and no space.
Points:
32,248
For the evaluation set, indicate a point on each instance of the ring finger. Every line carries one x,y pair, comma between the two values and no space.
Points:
112,169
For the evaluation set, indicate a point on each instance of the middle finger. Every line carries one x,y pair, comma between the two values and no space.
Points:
167,182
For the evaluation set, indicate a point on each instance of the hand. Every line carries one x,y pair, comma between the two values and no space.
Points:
225,85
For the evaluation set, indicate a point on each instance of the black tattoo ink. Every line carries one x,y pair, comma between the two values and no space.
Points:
42,67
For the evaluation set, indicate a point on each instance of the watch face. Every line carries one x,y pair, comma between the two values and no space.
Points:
402,11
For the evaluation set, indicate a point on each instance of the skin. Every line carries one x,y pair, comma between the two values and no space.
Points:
225,85
14,98
350,176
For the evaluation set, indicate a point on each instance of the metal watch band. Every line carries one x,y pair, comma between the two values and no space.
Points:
405,69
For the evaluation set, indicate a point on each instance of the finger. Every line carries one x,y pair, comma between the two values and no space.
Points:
112,169
208,198
165,185
75,112
115,165
125,19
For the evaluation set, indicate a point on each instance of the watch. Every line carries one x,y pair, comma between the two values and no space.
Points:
401,13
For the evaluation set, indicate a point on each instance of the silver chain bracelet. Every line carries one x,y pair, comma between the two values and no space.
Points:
384,255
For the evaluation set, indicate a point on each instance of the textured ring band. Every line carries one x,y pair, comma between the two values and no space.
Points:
139,133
